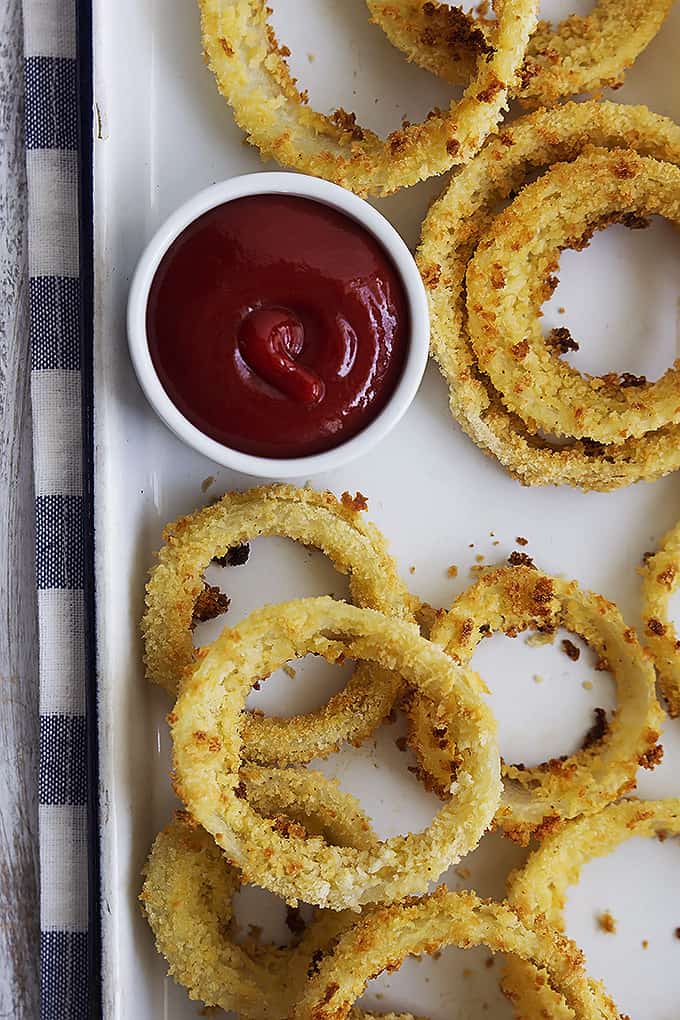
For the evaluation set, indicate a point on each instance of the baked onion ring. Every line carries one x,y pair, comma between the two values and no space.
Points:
384,936
207,755
513,599
253,76
538,889
317,519
661,577
505,290
189,886
451,232
580,55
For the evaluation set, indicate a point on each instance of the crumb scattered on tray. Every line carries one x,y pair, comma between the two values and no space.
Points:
452,571
522,541
571,650
587,685
645,943
207,482
412,569
538,679
289,670
606,923
539,638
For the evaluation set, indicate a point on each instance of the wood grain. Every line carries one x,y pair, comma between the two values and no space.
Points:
19,917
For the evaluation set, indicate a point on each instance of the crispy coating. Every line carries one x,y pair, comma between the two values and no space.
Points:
384,936
189,886
504,297
252,74
538,890
294,864
450,235
660,578
318,519
513,599
580,55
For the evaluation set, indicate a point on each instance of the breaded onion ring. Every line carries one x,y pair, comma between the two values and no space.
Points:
538,890
384,936
580,55
506,288
189,886
253,76
317,519
661,577
286,859
450,235
513,599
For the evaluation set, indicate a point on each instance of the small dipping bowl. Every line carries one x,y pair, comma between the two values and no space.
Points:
353,207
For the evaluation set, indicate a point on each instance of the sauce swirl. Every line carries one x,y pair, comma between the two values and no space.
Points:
277,325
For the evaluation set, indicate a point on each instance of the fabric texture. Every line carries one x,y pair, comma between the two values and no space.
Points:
52,166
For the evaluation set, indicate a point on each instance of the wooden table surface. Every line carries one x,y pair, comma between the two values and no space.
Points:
19,917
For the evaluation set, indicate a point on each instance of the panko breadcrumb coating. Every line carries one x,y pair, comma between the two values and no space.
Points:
288,861
450,235
538,890
512,600
253,75
316,519
384,936
661,577
505,290
580,55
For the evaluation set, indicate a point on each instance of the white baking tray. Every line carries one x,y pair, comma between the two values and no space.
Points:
161,133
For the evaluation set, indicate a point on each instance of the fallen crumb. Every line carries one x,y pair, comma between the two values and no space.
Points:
496,542
571,650
356,502
539,638
452,571
607,923
210,603
289,670
538,679
412,569
476,569
645,944
237,556
520,559
480,558
522,541
207,482
467,972
471,545
311,57
587,685
561,310
677,933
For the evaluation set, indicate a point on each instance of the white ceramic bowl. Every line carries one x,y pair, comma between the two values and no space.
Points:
328,194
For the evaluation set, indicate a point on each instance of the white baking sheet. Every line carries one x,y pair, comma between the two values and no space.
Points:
162,132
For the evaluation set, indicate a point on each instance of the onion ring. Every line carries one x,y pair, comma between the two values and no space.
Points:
317,519
252,74
538,889
661,577
560,210
288,862
451,232
383,937
580,55
513,599
189,886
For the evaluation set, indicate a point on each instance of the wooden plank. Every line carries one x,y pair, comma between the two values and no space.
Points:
19,930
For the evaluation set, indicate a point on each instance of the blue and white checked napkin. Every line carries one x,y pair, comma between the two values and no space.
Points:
52,164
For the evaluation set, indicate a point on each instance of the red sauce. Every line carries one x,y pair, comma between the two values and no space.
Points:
277,325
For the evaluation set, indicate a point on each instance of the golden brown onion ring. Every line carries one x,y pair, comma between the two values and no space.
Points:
513,599
189,886
450,235
661,577
505,284
538,890
580,55
253,76
384,936
287,860
317,519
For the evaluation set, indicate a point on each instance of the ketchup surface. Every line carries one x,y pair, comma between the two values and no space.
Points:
277,325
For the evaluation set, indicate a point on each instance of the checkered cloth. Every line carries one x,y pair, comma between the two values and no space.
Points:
52,163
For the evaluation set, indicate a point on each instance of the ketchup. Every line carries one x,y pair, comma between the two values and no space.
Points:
277,325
